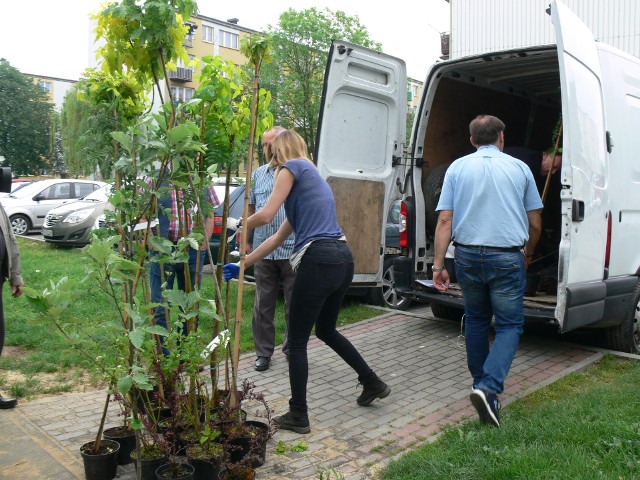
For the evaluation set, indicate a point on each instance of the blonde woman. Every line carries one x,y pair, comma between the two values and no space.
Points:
324,270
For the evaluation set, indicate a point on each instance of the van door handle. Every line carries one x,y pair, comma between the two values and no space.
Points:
577,210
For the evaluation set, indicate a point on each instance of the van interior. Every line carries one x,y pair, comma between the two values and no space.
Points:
522,88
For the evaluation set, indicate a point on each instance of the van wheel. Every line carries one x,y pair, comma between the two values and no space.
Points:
432,187
625,337
447,312
20,225
386,295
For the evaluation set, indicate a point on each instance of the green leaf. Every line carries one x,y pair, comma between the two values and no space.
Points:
137,337
125,384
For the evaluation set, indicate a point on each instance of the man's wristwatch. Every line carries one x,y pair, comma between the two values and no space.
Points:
437,269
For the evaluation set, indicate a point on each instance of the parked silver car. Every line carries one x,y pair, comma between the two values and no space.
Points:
72,223
27,207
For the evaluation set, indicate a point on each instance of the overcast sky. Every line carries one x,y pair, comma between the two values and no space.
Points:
52,38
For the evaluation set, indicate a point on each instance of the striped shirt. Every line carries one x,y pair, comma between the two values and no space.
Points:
187,215
262,181
169,224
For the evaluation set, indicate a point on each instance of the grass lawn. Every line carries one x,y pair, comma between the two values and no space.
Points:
585,426
36,360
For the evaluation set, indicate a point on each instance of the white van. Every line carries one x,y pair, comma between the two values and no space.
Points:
593,88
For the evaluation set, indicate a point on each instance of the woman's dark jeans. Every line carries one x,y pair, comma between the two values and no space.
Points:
322,279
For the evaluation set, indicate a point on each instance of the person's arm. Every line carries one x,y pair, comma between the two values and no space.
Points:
283,185
535,228
269,245
442,241
208,231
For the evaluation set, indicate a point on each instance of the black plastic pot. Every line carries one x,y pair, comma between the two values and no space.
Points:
148,466
183,471
126,439
204,470
250,441
102,466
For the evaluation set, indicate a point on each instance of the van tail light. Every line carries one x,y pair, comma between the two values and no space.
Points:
607,252
403,237
217,225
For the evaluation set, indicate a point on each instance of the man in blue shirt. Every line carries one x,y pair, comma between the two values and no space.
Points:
273,269
490,208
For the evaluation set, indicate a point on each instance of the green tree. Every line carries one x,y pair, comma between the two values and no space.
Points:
98,105
25,122
301,44
73,125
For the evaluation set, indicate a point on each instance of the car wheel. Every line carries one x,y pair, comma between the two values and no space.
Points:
386,295
20,224
446,312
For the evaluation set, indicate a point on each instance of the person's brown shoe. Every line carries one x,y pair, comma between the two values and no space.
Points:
8,402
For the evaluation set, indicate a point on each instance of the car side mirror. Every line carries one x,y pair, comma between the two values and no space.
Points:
39,197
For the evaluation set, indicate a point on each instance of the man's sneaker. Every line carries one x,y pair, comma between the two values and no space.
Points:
372,389
294,420
487,405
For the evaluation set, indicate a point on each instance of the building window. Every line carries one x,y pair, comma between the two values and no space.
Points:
228,39
45,86
188,38
207,34
181,94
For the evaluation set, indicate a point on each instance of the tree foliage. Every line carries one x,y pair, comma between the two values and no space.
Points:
144,38
301,44
25,122
100,103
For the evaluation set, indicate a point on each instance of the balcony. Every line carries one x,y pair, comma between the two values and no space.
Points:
182,74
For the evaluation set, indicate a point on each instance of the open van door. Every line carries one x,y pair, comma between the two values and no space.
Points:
581,290
361,134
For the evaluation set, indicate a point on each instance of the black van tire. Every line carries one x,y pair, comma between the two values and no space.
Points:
432,187
386,295
625,336
446,312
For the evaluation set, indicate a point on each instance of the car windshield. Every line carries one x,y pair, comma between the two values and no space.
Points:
30,190
19,185
220,191
100,195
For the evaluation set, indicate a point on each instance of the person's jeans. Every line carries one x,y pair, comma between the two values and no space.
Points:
322,279
172,272
493,284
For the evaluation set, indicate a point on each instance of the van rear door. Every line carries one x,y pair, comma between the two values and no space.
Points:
361,134
581,291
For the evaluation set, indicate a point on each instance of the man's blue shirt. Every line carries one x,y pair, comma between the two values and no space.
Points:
490,194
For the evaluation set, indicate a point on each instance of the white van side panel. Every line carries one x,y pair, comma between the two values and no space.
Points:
361,134
622,77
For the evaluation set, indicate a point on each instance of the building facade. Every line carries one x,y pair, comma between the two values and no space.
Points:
479,26
55,88
207,37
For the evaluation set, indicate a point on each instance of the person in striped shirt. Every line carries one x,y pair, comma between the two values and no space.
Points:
177,219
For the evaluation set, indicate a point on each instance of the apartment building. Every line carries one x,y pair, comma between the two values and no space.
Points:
55,88
207,36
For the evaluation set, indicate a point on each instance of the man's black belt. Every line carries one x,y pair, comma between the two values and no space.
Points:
490,249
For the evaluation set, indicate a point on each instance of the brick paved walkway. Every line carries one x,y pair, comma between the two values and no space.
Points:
415,354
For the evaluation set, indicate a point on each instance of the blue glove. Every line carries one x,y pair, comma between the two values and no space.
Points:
230,270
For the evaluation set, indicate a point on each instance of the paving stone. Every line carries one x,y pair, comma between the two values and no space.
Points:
413,353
